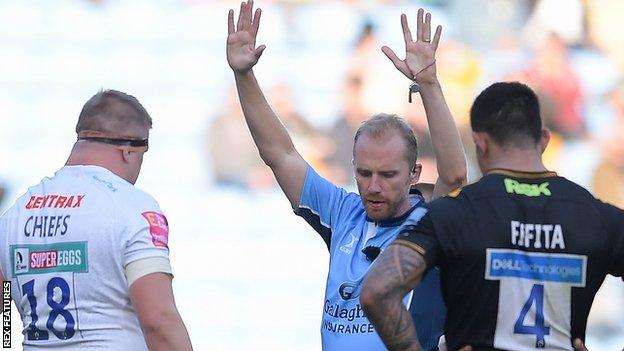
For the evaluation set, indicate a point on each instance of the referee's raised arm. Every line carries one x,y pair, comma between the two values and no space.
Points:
269,134
419,66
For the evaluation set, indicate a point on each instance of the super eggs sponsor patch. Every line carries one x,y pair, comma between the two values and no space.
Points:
58,257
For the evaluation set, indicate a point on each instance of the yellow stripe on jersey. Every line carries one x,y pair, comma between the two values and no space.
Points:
525,175
411,245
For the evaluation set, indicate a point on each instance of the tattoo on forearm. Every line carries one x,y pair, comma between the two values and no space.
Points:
397,271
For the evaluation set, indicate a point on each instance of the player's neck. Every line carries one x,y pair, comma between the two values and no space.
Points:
517,160
92,155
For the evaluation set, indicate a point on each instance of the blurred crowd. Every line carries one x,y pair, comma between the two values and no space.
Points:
565,50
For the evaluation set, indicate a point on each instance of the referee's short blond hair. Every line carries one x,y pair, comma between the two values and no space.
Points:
381,123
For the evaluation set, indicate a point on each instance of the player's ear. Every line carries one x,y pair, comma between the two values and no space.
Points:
126,155
481,141
545,138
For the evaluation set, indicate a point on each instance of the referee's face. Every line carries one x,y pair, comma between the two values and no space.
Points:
383,175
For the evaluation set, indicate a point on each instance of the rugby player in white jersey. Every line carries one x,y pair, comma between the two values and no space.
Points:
86,251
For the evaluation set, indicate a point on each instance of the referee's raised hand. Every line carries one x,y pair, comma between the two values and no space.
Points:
419,62
241,50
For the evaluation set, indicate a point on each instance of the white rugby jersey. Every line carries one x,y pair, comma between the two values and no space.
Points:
64,245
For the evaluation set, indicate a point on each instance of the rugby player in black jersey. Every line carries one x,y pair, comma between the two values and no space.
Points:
522,252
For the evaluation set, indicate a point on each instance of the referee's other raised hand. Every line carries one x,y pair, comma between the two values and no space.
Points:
241,50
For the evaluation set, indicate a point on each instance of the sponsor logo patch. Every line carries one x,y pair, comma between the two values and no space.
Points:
349,290
54,201
542,267
159,228
348,248
531,190
40,259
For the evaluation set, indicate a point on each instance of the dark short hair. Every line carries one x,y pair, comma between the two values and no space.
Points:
380,123
112,111
508,112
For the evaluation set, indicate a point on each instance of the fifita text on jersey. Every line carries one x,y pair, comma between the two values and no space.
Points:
537,236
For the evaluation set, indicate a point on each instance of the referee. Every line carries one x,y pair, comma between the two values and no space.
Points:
357,226
522,252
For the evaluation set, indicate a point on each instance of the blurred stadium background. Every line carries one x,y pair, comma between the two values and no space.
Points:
250,274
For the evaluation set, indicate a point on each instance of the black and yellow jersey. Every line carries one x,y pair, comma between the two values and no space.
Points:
521,257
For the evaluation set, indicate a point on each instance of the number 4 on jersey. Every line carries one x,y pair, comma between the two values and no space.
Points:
539,329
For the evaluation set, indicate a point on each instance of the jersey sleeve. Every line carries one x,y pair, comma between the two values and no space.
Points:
147,230
615,225
418,233
429,230
321,204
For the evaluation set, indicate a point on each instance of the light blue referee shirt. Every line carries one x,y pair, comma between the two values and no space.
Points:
340,218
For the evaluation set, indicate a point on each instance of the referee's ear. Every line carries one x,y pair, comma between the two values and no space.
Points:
415,173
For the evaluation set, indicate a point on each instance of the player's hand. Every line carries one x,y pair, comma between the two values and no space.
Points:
419,54
241,50
466,348
579,345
